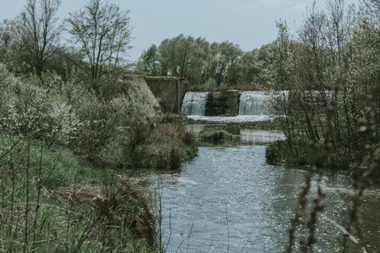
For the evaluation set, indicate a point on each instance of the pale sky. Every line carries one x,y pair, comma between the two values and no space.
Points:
249,23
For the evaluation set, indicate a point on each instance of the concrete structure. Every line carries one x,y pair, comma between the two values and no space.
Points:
223,103
169,92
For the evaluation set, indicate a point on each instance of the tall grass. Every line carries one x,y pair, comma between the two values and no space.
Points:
170,145
52,201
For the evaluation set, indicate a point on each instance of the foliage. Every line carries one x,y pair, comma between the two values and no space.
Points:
54,200
189,138
301,153
168,148
113,131
181,56
324,69
200,62
331,71
149,61
11,46
215,136
27,110
175,158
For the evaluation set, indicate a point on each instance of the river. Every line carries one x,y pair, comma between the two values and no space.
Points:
228,199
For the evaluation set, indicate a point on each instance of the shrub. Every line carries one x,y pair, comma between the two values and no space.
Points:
189,138
29,110
175,158
172,161
113,132
300,153
215,136
163,132
162,161
274,153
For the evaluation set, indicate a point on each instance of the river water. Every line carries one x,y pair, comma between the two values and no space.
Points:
228,199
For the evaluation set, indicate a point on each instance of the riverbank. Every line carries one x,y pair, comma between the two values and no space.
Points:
65,193
259,125
303,152
53,199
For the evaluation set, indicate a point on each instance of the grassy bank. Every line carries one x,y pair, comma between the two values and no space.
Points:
215,136
302,152
54,201
169,146
59,144
260,125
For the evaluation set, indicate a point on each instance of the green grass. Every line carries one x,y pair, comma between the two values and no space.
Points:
215,136
301,153
47,204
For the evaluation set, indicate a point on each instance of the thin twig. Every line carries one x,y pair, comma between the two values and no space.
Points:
8,151
344,231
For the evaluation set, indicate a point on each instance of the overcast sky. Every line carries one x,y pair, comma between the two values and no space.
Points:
249,23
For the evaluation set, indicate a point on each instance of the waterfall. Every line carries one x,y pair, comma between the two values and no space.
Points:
254,103
194,103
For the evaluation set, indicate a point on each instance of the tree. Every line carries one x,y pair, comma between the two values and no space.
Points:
249,66
183,57
10,45
103,32
40,31
280,67
225,65
336,9
149,61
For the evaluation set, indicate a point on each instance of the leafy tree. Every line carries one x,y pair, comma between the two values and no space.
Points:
103,32
226,62
281,57
182,56
11,49
149,61
249,66
200,62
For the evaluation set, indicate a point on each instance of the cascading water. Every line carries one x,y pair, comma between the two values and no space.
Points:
194,103
254,103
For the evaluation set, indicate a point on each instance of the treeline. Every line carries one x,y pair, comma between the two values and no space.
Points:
97,39
331,111
332,72
211,64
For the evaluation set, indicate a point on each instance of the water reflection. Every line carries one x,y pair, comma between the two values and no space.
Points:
241,136
229,199
240,118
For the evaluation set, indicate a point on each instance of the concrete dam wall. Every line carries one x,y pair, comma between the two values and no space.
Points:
169,91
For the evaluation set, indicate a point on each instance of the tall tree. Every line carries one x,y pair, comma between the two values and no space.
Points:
183,57
281,65
226,56
149,61
41,31
103,32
